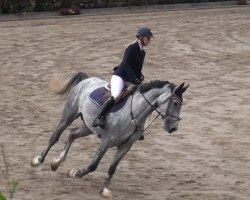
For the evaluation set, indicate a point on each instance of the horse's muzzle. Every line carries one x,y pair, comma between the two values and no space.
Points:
172,130
171,127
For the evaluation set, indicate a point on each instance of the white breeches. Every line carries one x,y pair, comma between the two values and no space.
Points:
117,85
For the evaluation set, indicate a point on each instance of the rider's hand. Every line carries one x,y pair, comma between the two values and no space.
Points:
137,82
142,78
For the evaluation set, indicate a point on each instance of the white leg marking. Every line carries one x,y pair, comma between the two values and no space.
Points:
106,193
36,161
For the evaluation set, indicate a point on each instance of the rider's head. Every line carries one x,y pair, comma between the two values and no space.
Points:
144,34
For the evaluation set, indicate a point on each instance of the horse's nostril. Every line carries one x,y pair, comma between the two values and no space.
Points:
173,130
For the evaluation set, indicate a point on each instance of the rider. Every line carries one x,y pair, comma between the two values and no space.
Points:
128,71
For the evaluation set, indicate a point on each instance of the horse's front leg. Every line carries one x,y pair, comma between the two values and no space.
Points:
82,131
101,150
121,151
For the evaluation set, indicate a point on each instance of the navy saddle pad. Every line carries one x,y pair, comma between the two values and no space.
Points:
97,97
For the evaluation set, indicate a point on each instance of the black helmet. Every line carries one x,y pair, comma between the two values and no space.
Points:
144,31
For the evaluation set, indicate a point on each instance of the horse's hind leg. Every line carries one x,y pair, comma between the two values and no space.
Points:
82,131
101,150
69,115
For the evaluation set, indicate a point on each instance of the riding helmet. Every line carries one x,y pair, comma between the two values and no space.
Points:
144,31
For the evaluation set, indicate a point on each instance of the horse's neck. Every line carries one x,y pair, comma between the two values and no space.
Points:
152,96
144,105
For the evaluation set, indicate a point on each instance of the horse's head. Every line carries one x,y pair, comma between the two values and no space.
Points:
171,105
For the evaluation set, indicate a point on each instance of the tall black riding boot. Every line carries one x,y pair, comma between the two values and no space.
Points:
100,120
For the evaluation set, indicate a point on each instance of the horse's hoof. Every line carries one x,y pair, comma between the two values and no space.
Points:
73,173
54,165
36,161
106,193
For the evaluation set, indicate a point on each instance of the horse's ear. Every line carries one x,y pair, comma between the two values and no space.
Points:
178,89
181,85
184,88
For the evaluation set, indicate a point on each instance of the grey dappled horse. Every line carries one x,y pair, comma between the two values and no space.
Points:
123,127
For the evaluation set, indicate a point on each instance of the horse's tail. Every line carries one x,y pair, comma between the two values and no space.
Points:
74,80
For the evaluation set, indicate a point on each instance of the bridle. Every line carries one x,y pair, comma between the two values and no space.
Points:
167,115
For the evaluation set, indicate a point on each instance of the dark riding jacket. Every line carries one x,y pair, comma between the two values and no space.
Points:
130,68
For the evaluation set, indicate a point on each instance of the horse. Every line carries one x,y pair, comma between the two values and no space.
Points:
123,127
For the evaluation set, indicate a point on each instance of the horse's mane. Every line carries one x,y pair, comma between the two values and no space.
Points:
145,87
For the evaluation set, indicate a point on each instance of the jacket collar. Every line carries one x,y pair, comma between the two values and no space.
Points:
141,47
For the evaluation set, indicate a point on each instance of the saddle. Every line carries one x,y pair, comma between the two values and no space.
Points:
100,95
127,90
